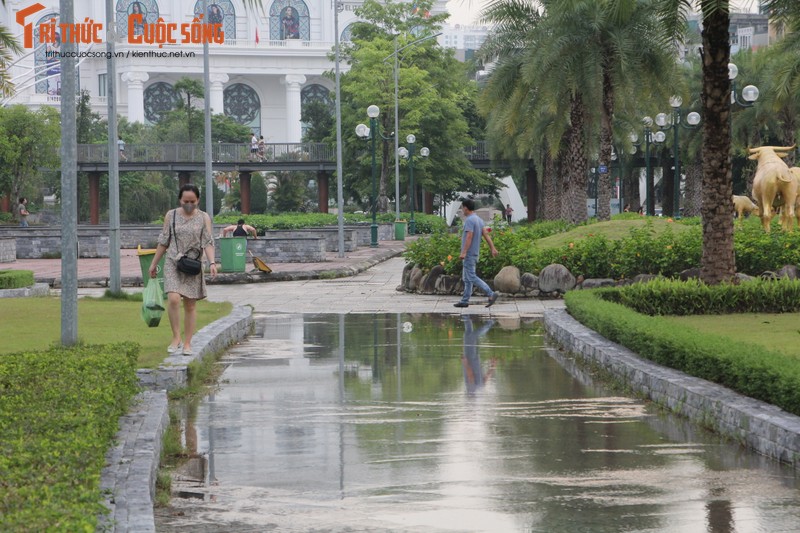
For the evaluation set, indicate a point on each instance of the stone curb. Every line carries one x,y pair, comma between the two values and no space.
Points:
212,339
756,424
35,290
129,476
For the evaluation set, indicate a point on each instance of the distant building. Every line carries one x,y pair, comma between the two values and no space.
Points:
464,39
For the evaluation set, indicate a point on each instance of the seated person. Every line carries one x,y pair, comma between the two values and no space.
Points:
240,229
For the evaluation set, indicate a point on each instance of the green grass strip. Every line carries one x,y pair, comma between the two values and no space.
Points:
59,412
746,368
16,279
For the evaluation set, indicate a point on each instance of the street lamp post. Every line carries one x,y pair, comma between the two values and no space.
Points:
749,93
692,119
409,153
649,138
372,133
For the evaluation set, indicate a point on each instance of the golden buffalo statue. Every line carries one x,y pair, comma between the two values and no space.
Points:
773,179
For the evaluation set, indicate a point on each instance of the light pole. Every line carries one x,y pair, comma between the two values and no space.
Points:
396,55
692,119
409,153
749,93
372,133
649,138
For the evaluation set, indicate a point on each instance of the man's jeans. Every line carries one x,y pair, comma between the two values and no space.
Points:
470,278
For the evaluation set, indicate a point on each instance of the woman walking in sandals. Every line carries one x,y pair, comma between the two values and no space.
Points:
186,232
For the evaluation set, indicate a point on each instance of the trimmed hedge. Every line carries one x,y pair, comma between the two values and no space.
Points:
746,368
424,223
59,412
693,297
16,279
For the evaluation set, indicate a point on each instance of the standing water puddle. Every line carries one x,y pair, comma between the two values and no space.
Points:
446,423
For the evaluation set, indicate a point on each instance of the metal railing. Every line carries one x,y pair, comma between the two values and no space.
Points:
233,153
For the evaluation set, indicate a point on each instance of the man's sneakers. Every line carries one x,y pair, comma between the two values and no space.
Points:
492,300
461,304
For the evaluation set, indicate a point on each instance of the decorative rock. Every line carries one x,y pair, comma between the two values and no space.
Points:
529,281
690,273
742,277
414,278
556,277
508,280
428,283
644,278
407,274
447,284
593,283
788,271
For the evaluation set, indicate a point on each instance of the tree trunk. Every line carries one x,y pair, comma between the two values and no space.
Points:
718,263
577,167
552,202
606,141
532,191
630,193
694,189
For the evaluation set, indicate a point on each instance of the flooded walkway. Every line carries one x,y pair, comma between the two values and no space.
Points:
446,423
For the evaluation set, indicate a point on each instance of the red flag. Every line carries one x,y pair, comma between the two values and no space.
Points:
257,39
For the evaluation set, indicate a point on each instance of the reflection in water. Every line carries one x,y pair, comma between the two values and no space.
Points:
361,422
474,376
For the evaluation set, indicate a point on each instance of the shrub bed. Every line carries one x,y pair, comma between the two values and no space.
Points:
643,251
16,279
746,368
425,223
59,412
692,297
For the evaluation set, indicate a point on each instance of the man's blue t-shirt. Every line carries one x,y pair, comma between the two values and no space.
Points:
474,224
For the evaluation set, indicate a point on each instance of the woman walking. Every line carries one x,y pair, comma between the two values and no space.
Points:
186,231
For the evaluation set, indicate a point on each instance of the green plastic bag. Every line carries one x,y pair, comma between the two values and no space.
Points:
152,303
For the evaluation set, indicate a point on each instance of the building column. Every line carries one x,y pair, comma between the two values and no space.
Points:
94,198
244,191
217,91
322,190
533,191
135,81
293,83
184,177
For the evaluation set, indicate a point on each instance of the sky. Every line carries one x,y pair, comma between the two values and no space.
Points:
468,11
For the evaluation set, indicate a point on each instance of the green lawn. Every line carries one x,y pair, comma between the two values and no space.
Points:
35,324
612,229
778,332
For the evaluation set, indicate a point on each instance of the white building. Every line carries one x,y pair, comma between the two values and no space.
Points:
465,39
269,64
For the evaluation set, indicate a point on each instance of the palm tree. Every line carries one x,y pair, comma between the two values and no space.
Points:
8,48
718,262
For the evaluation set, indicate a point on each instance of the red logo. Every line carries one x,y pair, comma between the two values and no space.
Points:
22,14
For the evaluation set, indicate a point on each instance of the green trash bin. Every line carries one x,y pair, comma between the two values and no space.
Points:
400,230
234,253
145,258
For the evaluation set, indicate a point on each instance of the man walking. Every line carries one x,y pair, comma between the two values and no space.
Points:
470,251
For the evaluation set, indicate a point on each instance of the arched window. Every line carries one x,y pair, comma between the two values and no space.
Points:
243,105
347,33
159,99
315,93
289,19
125,8
46,60
219,12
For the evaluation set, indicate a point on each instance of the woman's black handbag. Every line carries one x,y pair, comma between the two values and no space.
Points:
188,265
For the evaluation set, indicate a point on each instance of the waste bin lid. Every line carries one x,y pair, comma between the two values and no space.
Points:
145,251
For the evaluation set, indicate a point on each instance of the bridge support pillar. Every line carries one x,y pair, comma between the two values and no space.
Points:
427,202
322,190
244,191
94,198
533,191
184,178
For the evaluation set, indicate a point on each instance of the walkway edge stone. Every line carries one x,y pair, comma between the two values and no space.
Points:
212,339
129,477
753,423
35,290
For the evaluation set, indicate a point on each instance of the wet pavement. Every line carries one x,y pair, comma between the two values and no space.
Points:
425,422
